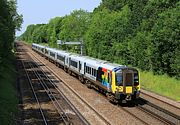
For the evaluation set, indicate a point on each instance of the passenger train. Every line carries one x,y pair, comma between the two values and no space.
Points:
120,83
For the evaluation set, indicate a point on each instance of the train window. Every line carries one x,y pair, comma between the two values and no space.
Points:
94,72
73,63
90,70
99,74
52,54
119,79
59,57
86,69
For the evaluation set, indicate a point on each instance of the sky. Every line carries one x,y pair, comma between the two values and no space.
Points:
41,11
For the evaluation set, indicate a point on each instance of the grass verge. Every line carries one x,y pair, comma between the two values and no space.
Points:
8,94
161,84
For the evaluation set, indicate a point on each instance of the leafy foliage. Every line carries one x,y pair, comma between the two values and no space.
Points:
10,21
141,33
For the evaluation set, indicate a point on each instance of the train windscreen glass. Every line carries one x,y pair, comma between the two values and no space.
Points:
119,79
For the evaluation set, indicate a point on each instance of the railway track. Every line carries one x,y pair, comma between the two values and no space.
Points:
160,100
170,118
157,112
37,77
162,119
153,110
44,75
44,120
134,115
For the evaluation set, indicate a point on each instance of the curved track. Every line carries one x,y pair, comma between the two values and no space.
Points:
86,103
37,77
151,109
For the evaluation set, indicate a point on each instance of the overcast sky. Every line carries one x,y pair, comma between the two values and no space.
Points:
41,11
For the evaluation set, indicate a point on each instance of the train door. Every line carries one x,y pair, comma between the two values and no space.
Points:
128,81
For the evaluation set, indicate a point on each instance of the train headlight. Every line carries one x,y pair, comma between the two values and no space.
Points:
137,88
119,89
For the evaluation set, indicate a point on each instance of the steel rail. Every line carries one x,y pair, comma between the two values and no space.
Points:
51,97
160,100
163,110
135,116
34,93
155,115
158,117
65,98
85,102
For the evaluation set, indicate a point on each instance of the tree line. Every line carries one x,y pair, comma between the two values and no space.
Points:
10,21
140,33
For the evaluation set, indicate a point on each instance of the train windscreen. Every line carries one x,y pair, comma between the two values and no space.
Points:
129,79
119,79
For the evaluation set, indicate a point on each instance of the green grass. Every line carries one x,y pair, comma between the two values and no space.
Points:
8,95
161,84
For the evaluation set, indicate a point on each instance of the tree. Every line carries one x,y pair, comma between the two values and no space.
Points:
74,25
10,21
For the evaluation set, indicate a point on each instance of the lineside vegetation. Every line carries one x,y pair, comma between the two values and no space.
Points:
140,33
10,20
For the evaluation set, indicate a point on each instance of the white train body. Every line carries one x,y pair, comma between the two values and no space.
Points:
118,81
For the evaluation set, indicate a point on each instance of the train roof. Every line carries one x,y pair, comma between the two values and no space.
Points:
51,49
97,62
89,60
38,45
61,52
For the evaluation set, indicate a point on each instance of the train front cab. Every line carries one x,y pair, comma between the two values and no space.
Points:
125,84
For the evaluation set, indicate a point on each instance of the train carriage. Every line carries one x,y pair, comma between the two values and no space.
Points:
52,53
62,58
39,48
119,82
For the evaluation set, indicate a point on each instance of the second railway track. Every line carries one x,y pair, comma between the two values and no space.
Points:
157,112
166,121
42,87
43,76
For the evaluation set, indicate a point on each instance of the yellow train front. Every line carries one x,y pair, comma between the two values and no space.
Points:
122,83
125,84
